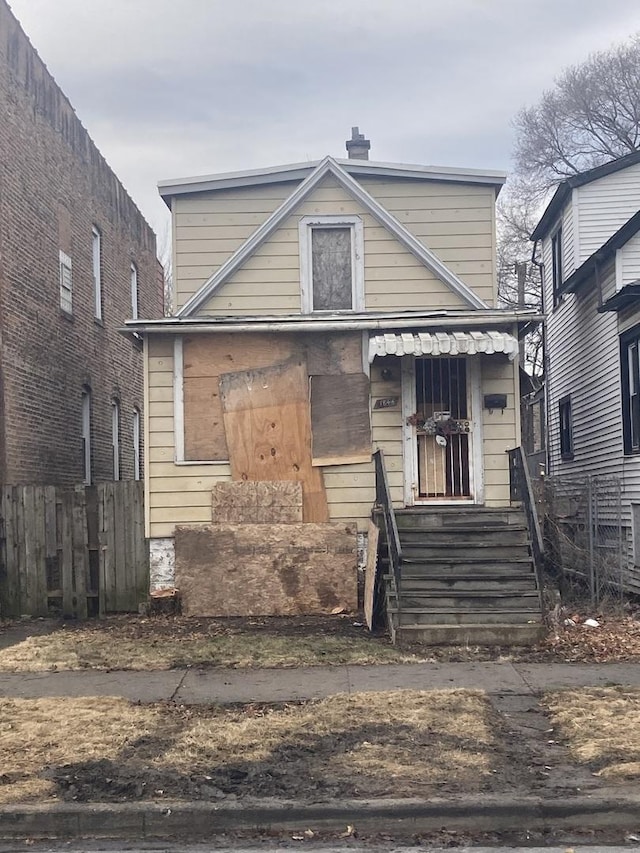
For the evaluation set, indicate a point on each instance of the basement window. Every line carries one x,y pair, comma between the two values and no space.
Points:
331,263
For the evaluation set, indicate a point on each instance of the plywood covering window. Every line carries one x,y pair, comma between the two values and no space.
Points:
332,362
331,263
204,360
340,419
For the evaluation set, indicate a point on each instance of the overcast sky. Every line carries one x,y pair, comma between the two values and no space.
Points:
173,88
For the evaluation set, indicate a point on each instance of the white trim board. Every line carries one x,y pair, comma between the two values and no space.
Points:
329,166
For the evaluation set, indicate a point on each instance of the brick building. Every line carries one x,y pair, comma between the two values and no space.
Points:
76,260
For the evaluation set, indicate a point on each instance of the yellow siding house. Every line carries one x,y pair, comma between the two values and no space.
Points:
325,311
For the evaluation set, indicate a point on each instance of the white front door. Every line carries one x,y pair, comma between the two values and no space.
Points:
439,405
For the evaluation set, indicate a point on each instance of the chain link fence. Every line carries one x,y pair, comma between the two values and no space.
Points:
586,542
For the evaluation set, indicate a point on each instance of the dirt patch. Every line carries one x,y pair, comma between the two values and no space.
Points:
138,643
601,728
163,642
401,744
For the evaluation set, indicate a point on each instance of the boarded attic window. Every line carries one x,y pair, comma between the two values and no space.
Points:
331,267
331,263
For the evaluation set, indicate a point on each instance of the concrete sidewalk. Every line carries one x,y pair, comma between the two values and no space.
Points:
229,686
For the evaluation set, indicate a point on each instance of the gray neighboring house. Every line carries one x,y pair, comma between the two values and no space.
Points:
588,240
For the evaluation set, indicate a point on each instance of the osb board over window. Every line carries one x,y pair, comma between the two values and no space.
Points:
340,419
249,502
268,428
266,569
206,357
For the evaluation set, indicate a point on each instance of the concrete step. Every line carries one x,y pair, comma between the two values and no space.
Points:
462,550
511,534
436,616
479,600
470,635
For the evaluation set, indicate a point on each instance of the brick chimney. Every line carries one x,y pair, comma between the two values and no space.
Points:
358,147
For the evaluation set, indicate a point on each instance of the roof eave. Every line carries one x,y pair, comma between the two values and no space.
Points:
299,171
352,322
579,180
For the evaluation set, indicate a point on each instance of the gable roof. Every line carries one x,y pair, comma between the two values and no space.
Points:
564,189
601,255
300,171
329,166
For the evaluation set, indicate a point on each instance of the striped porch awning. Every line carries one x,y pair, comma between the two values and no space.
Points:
443,343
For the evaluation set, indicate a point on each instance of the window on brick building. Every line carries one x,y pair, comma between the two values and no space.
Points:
96,256
137,467
86,434
66,301
134,291
115,437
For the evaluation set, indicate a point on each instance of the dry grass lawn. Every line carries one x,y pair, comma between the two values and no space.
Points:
152,644
601,727
407,744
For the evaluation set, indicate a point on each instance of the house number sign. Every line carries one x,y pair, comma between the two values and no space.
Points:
386,403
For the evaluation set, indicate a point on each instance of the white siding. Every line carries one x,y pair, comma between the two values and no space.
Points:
628,262
568,265
566,219
583,352
604,206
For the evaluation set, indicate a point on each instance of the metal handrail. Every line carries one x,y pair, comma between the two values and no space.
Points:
522,490
383,503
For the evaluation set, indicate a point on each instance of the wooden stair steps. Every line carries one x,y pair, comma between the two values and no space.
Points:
467,576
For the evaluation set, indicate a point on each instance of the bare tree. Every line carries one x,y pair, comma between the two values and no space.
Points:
518,276
589,117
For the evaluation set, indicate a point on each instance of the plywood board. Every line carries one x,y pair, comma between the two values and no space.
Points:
204,358
340,419
266,569
333,353
370,573
268,428
204,437
250,502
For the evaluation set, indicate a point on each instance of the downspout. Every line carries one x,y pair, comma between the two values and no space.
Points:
545,360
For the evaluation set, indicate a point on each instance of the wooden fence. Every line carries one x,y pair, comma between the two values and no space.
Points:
72,552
